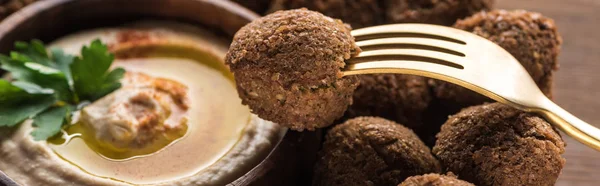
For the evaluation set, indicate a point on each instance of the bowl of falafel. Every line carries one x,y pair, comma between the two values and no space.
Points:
305,123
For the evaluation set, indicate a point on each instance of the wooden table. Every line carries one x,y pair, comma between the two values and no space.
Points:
577,81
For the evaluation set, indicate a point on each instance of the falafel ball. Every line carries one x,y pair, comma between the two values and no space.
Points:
435,180
401,98
372,151
397,97
530,37
258,6
440,12
495,144
362,13
358,13
287,67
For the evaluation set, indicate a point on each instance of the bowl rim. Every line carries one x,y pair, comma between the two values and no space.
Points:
20,18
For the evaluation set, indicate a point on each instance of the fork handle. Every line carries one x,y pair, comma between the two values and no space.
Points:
571,125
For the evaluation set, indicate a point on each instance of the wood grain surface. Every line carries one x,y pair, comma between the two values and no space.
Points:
576,85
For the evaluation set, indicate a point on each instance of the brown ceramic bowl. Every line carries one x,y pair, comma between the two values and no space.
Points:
291,160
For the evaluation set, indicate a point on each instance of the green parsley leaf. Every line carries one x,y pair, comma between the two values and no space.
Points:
11,115
32,52
19,57
90,75
32,88
111,83
46,86
63,63
11,93
49,122
41,75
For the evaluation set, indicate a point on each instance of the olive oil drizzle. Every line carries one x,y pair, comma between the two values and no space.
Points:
77,130
158,50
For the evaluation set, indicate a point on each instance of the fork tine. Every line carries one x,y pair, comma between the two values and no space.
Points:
415,43
420,68
412,30
414,67
423,56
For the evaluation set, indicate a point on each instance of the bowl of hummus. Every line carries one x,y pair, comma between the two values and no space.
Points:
176,118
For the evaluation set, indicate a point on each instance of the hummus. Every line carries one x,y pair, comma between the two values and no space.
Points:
212,141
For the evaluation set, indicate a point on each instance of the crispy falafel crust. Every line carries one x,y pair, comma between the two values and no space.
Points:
397,97
287,67
440,12
358,13
372,151
435,180
494,144
363,13
530,37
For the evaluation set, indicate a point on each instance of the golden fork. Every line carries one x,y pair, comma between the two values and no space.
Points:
465,59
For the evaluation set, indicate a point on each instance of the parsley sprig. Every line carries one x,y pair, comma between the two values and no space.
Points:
48,85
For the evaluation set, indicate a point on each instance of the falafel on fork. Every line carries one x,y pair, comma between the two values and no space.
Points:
314,84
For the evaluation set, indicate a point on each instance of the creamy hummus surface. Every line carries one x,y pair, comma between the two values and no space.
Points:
144,115
177,120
